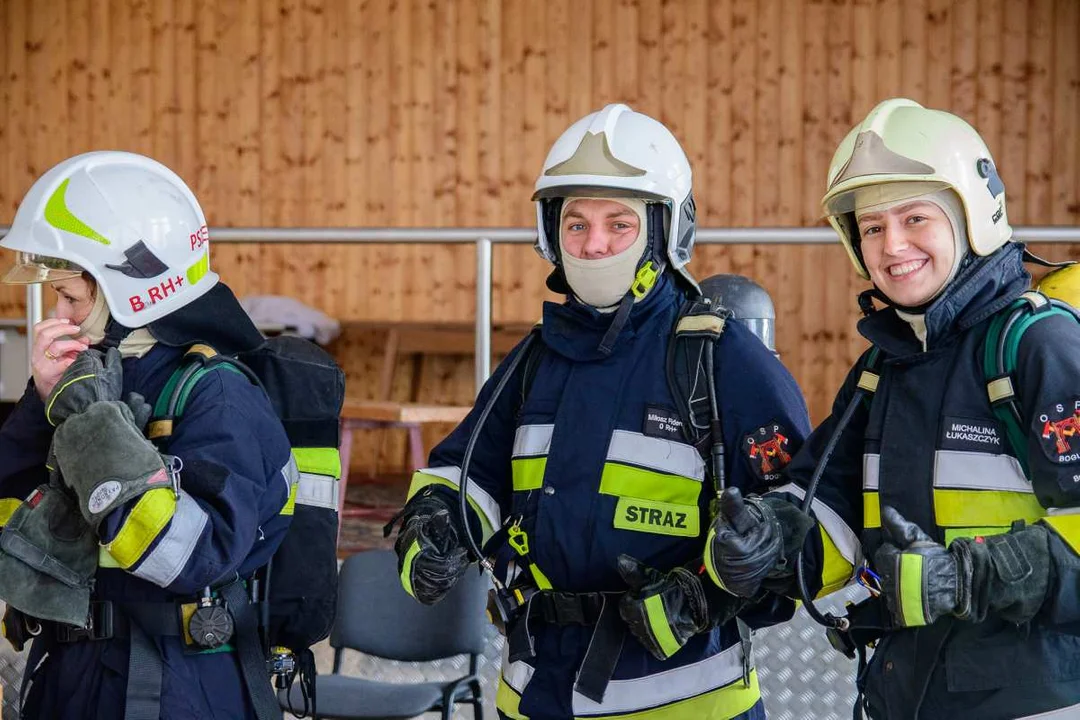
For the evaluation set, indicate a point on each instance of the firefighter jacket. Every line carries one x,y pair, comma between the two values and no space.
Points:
234,483
592,463
928,444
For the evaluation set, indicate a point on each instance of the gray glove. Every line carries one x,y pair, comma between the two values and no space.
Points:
92,377
106,459
48,557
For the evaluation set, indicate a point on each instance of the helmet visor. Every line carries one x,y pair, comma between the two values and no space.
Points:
31,268
879,194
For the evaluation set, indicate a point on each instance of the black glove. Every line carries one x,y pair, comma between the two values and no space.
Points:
753,543
664,610
431,555
92,377
1007,574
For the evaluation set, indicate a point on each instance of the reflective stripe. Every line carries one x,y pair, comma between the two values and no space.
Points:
845,539
711,687
1064,713
979,471
147,519
318,491
871,471
658,623
450,476
626,481
165,561
911,590
406,567
657,517
871,510
56,393
970,532
528,473
1067,526
532,440
318,460
8,506
291,474
105,560
836,571
666,456
980,508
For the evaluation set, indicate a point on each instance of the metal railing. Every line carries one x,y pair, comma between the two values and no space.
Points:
485,238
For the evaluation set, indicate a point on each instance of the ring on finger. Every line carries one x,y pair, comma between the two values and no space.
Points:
50,355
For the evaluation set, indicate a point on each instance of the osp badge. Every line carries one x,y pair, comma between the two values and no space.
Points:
768,451
1057,428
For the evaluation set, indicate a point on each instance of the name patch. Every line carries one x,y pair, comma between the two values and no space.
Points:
662,422
972,435
656,517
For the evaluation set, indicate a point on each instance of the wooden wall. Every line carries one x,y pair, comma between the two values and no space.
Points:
439,113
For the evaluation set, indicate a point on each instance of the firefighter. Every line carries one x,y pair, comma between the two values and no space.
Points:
960,522
134,540
582,484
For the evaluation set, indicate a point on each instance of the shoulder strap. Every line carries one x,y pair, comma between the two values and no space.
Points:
531,364
197,362
1001,345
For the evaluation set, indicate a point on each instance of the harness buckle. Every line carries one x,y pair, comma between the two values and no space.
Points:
99,625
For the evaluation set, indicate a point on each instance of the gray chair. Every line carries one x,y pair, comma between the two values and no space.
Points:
377,617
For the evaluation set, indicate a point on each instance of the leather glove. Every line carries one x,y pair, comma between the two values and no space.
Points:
431,556
92,377
48,557
665,610
106,459
922,581
753,543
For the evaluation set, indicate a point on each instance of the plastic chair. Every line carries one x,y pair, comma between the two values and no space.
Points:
377,617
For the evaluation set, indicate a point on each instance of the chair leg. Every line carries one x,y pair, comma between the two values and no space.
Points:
477,703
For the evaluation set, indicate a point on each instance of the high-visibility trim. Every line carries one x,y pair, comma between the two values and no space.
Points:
150,515
657,517
961,470
1000,389
871,471
58,393
528,473
318,491
658,624
1066,713
868,381
406,567
159,429
60,216
290,502
318,460
911,587
199,269
977,508
710,568
1067,526
8,506
533,440
659,454
970,532
626,481
836,571
701,323
871,510
172,553
540,578
711,688
843,537
450,476
105,560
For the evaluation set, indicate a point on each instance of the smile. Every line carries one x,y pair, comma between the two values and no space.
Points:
906,268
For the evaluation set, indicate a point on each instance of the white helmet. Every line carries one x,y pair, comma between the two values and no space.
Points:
617,152
900,141
127,220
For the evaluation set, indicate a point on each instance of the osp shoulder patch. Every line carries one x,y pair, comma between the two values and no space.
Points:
767,450
1057,427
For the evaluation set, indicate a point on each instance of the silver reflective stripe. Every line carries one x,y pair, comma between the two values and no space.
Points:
317,491
515,674
485,502
666,686
845,539
871,471
165,561
1073,711
666,456
979,471
532,440
291,473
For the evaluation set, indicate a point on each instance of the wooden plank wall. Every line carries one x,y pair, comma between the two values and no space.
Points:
439,113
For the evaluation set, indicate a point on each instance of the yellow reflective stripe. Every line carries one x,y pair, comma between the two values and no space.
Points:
657,517
911,586
318,460
658,623
290,504
977,508
627,481
421,480
836,571
144,523
710,569
528,473
970,532
8,506
198,271
1067,527
105,560
871,510
507,700
727,702
406,567
540,578
58,393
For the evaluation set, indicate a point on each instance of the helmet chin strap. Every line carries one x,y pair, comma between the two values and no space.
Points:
114,334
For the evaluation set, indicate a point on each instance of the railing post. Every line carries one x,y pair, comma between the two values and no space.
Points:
33,317
483,311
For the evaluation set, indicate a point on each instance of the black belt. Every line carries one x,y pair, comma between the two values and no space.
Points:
566,608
